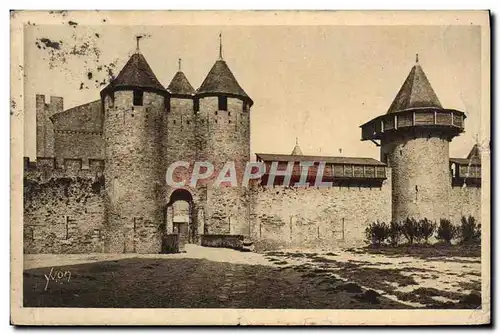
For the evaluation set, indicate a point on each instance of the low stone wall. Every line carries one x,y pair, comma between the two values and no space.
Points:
63,214
223,241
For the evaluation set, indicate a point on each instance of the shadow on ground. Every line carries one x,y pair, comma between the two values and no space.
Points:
195,283
364,274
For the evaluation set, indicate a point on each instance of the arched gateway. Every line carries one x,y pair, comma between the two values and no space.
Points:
179,216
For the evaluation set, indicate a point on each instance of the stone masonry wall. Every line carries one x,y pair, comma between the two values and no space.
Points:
223,136
465,201
78,145
63,210
227,211
228,133
420,176
44,126
134,179
179,143
78,132
318,216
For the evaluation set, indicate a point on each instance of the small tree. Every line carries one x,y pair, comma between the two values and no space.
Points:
395,232
376,233
446,231
469,230
425,229
409,229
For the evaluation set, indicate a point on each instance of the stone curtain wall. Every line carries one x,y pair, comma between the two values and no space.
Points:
63,210
318,216
465,201
69,144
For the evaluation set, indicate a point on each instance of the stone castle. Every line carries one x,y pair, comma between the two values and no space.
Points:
98,183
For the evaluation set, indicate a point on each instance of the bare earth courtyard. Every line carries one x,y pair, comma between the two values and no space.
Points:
223,278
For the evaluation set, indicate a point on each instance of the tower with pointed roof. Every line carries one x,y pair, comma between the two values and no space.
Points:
133,106
414,137
222,111
296,149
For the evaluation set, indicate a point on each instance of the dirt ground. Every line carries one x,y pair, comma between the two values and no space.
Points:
224,278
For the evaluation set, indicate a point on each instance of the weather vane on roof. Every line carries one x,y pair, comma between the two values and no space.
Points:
180,64
220,45
416,58
138,38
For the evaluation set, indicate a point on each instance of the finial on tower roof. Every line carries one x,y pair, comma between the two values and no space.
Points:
138,37
296,141
416,58
180,64
220,45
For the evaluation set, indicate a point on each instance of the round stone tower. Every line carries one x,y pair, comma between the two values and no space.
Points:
414,137
133,105
222,110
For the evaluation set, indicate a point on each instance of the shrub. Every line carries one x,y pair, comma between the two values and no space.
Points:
395,232
469,231
409,229
425,229
376,233
446,231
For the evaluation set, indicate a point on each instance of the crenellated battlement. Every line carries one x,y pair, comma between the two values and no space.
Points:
69,167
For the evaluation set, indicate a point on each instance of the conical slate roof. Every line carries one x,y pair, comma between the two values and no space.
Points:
296,150
136,74
220,79
416,92
180,85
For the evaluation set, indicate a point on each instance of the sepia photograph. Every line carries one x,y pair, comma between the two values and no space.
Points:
230,167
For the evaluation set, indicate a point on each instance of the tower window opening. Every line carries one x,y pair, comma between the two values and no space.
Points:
223,103
196,105
228,113
138,97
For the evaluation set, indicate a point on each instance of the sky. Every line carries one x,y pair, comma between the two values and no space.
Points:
314,83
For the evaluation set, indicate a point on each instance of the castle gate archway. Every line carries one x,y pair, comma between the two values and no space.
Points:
179,216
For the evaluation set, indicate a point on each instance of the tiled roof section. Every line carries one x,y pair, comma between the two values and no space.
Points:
474,153
136,73
465,161
220,79
416,92
326,159
180,85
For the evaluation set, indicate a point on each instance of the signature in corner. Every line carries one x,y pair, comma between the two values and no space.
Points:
57,276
